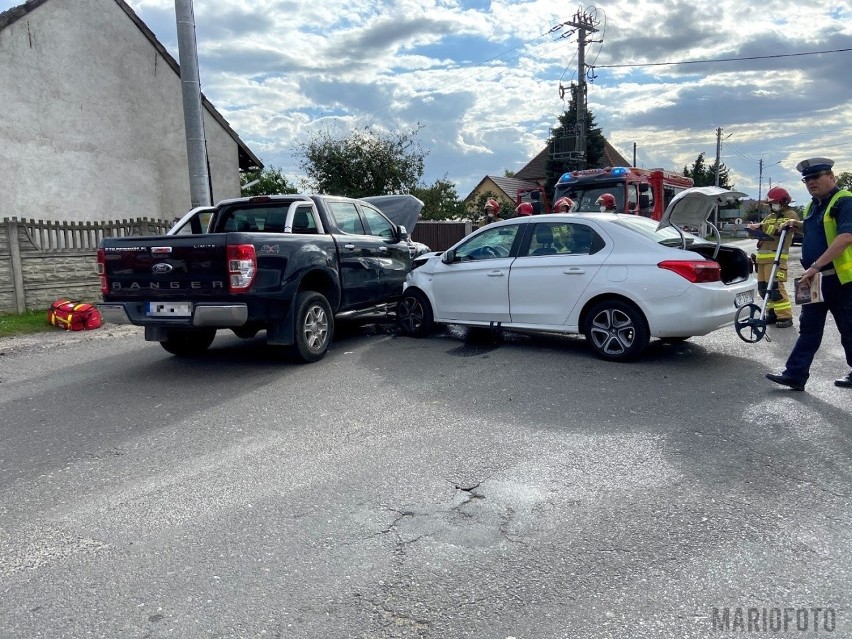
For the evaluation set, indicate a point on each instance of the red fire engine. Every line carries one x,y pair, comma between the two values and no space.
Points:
644,192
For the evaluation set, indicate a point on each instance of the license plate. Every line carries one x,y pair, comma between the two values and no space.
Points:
169,309
746,297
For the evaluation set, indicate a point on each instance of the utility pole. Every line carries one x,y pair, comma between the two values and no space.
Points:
760,180
718,164
634,154
193,115
584,23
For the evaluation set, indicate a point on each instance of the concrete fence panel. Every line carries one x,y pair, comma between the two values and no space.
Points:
43,261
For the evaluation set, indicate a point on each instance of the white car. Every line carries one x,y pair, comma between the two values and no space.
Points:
618,279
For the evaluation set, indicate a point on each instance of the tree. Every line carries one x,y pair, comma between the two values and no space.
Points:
844,180
704,175
440,201
567,127
270,181
364,163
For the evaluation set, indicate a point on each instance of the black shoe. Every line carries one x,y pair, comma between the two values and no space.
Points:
786,323
771,318
844,382
786,380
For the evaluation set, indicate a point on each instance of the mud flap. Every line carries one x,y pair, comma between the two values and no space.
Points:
282,332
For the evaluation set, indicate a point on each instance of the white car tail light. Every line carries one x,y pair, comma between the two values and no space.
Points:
696,271
242,267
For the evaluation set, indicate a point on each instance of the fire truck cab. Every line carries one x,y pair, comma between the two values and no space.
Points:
644,192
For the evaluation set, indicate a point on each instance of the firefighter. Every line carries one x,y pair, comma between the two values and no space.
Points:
492,211
563,238
563,205
524,208
779,310
607,203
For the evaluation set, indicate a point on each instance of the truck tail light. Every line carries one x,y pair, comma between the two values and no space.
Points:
101,270
696,271
242,267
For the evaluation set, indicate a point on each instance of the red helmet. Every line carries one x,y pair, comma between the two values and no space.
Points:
563,201
492,204
607,200
777,195
524,208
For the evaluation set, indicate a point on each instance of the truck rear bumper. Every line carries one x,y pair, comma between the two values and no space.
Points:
210,315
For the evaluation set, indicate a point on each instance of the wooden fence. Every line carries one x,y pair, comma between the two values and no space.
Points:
439,236
42,261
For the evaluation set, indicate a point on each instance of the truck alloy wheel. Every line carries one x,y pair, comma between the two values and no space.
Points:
314,326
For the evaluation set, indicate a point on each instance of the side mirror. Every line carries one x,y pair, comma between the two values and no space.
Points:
644,188
644,201
535,195
401,233
448,257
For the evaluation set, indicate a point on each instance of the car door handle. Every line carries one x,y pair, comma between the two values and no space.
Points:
383,249
349,246
575,270
496,274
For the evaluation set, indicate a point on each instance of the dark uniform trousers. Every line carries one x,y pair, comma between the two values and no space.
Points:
838,301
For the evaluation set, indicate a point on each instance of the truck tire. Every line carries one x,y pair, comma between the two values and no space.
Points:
186,342
314,327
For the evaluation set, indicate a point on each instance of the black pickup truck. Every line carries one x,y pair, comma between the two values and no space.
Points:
286,264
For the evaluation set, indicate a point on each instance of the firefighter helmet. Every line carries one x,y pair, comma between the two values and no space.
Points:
492,204
777,195
563,201
524,208
607,200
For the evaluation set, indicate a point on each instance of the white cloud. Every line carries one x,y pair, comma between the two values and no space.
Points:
484,81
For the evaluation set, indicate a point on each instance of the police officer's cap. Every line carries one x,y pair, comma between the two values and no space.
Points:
812,166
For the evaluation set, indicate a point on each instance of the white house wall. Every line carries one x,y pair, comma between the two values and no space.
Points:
91,120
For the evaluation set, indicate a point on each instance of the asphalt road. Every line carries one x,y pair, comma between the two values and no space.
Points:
441,488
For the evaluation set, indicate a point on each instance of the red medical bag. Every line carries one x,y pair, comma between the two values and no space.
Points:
73,316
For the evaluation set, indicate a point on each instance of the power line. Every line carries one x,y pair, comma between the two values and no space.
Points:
754,57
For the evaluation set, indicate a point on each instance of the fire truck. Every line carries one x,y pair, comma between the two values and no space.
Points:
644,192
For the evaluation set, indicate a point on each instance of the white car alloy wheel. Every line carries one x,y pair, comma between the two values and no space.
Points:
617,330
414,314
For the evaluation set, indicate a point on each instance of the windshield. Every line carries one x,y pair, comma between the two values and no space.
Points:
667,236
585,196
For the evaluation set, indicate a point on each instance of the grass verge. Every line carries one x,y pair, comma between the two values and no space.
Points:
29,322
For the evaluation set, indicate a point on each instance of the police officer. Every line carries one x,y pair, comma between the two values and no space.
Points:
826,249
779,310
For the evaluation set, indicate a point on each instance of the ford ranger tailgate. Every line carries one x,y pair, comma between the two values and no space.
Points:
172,267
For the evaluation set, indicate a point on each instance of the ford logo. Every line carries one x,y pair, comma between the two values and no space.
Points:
162,268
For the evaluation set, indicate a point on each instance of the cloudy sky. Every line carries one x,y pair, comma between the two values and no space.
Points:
483,78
